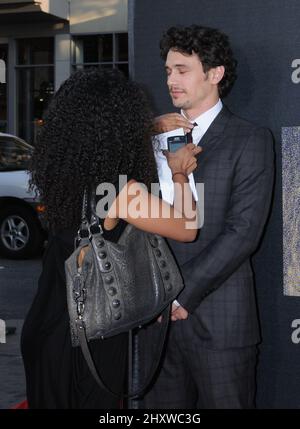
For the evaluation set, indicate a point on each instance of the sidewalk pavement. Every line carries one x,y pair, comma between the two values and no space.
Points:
12,377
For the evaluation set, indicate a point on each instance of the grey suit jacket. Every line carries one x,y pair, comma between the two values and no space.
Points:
236,167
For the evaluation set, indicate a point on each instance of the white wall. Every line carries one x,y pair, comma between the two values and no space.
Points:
56,7
62,58
98,16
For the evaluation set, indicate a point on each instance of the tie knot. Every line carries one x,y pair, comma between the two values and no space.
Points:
189,135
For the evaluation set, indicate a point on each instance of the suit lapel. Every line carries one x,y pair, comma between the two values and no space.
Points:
213,135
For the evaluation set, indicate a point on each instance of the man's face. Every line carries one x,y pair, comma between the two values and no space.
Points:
189,86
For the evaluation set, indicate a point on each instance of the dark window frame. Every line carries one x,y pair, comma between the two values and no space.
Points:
114,63
26,131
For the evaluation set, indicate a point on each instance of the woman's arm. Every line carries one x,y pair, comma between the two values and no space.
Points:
181,165
150,213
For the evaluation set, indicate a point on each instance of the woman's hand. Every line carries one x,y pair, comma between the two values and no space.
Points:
169,122
183,160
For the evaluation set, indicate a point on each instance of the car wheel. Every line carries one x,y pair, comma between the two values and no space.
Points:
21,235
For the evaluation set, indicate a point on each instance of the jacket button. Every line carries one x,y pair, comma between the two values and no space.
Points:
163,264
169,287
107,265
100,243
112,291
109,279
167,276
158,253
118,316
102,255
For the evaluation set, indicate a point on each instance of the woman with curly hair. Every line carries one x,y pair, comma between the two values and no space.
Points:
97,127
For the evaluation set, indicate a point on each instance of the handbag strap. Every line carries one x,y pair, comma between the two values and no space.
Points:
157,358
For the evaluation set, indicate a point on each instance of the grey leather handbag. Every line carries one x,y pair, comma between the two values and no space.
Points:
119,286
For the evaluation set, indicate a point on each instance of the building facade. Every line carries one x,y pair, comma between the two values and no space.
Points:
43,42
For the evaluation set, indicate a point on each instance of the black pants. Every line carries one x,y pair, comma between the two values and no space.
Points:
194,377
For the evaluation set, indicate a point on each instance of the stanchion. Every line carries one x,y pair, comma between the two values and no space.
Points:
133,369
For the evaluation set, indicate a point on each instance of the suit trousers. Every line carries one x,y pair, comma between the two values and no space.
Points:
195,377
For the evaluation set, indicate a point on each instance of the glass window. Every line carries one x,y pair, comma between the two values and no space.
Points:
35,83
104,50
36,51
96,49
35,88
3,87
122,47
14,154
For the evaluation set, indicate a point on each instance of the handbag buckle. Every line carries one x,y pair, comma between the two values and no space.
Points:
95,223
85,226
77,286
80,323
80,308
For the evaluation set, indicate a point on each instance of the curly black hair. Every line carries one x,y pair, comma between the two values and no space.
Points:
97,127
211,46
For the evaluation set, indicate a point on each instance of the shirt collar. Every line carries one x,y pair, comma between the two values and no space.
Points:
205,119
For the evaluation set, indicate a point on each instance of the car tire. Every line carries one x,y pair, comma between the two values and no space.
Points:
21,235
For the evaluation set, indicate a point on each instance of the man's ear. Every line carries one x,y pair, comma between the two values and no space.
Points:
216,74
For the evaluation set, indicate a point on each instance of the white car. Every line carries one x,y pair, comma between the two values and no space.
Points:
21,215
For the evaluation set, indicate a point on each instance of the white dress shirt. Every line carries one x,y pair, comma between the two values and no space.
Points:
160,142
204,121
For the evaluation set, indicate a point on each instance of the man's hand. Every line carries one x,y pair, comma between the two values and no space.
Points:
178,313
169,122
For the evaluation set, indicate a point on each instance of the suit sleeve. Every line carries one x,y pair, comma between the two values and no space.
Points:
248,210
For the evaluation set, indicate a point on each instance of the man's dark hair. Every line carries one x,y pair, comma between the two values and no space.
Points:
211,46
97,126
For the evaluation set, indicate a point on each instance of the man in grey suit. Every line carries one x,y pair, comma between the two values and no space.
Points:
211,352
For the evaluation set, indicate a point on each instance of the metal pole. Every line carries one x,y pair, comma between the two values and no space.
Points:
133,369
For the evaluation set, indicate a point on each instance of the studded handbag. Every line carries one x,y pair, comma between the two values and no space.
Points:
119,286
